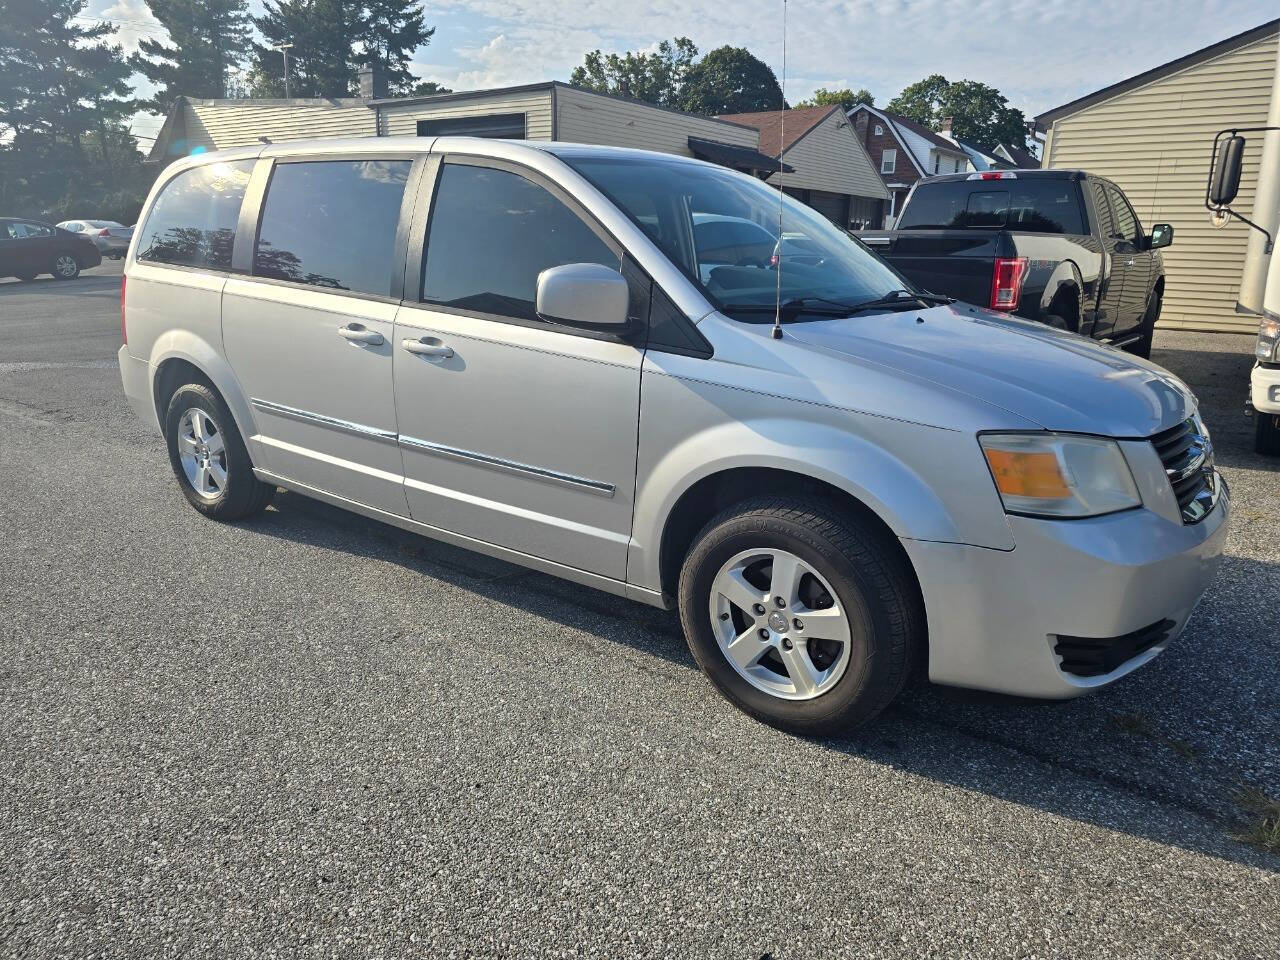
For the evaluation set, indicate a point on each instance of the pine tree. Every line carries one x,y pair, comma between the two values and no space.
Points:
322,61
390,32
208,39
64,99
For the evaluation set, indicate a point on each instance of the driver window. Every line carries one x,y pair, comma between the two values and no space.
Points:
491,233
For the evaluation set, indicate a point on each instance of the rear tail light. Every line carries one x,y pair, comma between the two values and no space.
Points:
773,260
993,175
124,330
1006,282
104,232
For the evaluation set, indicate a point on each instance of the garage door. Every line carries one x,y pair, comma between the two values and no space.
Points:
833,206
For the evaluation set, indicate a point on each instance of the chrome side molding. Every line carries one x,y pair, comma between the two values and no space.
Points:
597,487
306,416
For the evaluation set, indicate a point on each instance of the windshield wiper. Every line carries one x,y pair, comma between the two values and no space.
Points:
821,306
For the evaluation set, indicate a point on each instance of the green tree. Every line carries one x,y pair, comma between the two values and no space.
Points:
322,60
64,101
979,114
208,38
427,88
846,98
730,80
390,32
656,77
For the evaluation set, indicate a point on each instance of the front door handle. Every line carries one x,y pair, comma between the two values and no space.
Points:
358,333
428,347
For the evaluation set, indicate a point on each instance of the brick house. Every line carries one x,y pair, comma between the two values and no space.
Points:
904,151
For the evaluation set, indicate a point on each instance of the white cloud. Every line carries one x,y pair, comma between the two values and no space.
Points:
133,21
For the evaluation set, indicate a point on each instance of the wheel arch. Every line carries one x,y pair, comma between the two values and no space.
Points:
1065,285
180,357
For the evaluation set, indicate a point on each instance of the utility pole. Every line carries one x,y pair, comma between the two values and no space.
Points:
284,50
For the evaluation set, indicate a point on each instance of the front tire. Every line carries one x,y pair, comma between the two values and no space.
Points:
209,457
1266,434
65,267
1147,332
801,614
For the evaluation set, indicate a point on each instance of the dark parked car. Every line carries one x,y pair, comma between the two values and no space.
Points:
1063,247
29,248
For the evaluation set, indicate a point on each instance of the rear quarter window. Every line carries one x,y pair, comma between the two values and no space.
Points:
193,221
1024,206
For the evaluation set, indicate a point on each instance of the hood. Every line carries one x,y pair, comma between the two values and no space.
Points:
1056,379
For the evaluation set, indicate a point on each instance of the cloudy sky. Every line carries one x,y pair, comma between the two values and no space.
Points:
1039,53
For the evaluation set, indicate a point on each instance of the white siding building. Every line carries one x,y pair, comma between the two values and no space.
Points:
1153,135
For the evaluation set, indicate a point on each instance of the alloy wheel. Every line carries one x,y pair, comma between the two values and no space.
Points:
66,265
203,453
779,624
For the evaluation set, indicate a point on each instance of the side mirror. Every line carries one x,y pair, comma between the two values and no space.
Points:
1224,181
587,295
1161,236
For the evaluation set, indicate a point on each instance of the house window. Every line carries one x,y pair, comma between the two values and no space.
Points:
509,126
888,161
879,130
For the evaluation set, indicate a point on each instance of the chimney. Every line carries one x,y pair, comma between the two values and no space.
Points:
373,83
944,127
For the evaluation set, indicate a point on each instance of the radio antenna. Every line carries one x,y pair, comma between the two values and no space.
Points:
782,143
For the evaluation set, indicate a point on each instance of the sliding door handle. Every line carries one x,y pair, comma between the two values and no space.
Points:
358,333
428,347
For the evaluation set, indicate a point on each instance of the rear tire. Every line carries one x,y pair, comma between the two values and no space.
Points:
1266,434
209,457
65,267
861,621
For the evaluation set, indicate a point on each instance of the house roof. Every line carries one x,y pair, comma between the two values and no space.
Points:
1047,119
919,129
1020,158
729,155
797,121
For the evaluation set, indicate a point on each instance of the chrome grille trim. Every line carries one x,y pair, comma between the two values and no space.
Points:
1186,452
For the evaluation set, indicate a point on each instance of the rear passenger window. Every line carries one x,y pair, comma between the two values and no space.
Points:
332,224
492,232
1126,222
193,221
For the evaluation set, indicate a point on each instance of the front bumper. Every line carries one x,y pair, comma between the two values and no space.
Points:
995,616
1264,388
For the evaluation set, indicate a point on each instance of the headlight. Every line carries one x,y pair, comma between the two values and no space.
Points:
1268,339
1059,474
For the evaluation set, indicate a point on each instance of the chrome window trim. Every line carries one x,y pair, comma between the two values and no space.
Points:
597,487
293,413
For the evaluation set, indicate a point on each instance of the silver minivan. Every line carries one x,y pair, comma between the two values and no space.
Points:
563,356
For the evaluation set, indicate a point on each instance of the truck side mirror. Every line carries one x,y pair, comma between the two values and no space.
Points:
1224,181
1161,236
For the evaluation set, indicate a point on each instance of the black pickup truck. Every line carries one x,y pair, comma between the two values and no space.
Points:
1063,247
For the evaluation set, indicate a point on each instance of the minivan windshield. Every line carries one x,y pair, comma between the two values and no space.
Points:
721,229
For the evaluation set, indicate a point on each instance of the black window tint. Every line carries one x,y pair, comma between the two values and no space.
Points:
1024,205
193,221
986,208
1126,223
492,232
332,224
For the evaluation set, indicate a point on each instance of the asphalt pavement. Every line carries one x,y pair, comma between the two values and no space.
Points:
313,735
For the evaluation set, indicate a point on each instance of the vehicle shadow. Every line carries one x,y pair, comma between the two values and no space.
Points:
1159,755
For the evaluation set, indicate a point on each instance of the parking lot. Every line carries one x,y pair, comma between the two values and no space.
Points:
311,734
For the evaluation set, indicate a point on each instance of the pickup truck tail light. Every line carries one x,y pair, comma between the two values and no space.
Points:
124,331
1006,282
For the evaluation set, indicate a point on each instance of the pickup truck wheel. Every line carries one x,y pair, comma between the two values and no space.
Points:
209,457
1266,434
801,614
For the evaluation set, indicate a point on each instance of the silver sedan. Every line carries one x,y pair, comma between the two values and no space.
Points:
111,238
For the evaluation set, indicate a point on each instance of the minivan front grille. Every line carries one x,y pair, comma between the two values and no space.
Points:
1097,656
1187,455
